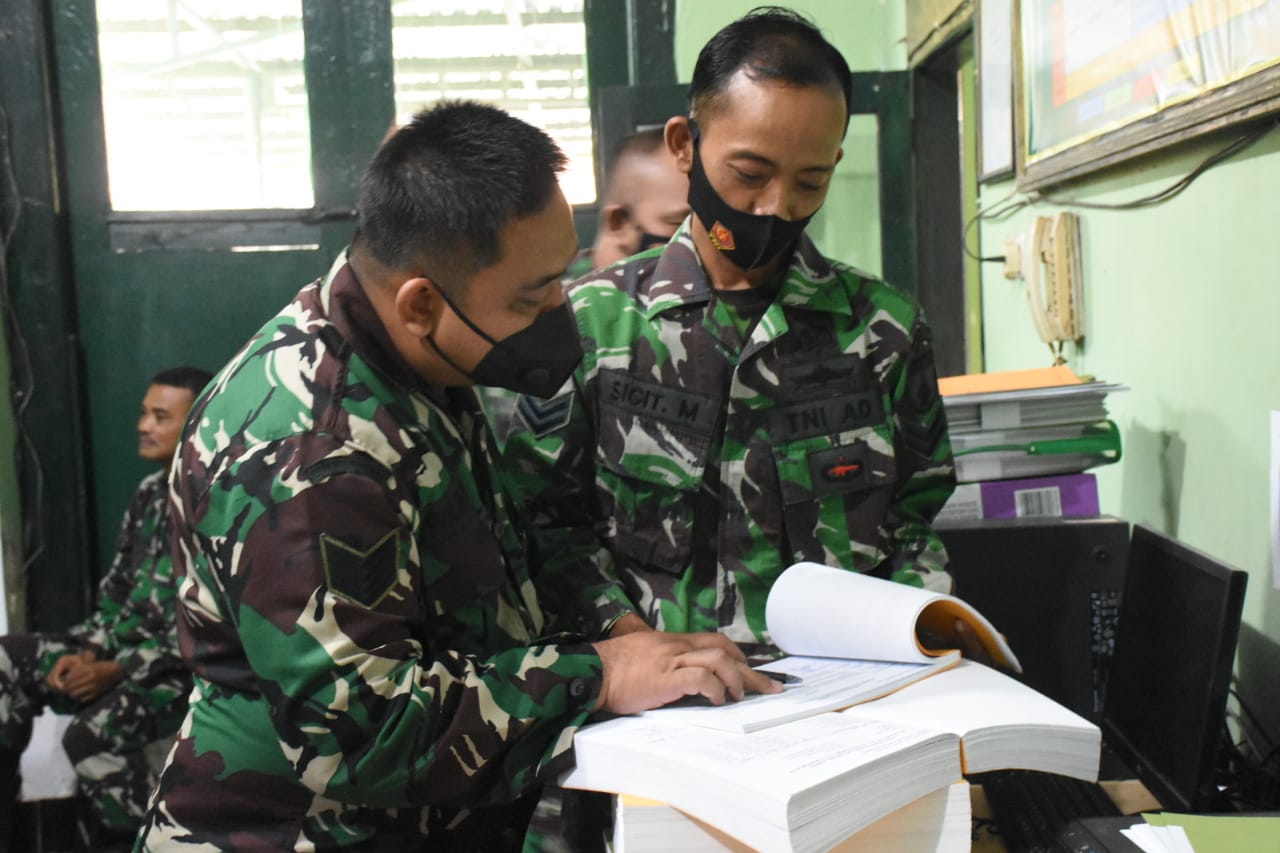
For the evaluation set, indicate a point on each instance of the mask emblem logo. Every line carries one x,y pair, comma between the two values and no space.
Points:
722,237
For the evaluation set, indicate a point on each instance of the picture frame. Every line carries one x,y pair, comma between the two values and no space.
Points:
1111,85
995,89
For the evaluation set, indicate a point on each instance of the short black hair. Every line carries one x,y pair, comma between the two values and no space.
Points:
192,378
771,43
440,189
645,142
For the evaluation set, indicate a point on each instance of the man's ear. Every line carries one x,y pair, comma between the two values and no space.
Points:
418,306
614,218
679,139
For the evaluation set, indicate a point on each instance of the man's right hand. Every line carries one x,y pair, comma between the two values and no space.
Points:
63,667
648,669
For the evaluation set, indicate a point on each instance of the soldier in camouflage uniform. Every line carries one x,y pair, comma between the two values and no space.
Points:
372,662
641,207
744,402
118,672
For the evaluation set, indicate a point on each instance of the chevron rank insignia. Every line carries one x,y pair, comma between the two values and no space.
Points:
545,416
365,576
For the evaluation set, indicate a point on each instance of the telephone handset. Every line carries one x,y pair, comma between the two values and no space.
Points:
1054,281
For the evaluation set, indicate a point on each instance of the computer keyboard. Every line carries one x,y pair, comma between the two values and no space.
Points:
1030,808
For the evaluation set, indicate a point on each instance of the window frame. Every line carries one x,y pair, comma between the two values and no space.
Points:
348,67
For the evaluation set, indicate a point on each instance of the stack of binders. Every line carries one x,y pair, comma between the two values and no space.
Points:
1023,441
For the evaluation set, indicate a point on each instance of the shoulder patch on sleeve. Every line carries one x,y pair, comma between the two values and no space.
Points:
363,577
545,416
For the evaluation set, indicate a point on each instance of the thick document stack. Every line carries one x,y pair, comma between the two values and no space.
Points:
939,822
1044,427
807,770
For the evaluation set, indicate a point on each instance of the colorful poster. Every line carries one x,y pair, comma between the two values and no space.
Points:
1092,66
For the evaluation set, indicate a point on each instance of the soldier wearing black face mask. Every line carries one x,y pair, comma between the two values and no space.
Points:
744,402
535,360
360,605
641,207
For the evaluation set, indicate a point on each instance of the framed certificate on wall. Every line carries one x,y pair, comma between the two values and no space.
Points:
1101,81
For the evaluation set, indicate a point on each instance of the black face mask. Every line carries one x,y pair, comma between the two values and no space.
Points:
749,240
535,360
648,241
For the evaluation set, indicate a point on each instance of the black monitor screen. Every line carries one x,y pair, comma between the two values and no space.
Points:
1175,644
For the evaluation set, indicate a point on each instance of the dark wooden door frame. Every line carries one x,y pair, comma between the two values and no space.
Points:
76,417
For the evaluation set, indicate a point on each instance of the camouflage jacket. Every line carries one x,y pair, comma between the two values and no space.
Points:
134,622
356,604
579,266
717,460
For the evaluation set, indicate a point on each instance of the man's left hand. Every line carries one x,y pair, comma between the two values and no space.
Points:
91,679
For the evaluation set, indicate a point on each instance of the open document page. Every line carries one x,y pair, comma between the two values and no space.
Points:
1002,723
820,611
826,684
851,638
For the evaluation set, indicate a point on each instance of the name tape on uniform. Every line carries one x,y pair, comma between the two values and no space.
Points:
649,399
826,417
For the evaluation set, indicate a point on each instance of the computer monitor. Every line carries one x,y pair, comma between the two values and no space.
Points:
1052,586
1175,645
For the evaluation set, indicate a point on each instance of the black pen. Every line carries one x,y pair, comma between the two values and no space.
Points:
781,677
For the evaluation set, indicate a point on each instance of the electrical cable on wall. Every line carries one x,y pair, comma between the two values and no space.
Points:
21,384
997,212
1006,207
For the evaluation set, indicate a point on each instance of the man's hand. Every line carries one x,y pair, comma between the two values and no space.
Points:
90,680
648,669
83,677
62,668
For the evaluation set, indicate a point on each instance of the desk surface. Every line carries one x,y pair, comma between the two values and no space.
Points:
1129,795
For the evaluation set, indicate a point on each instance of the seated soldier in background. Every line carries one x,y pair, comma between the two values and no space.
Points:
118,672
644,203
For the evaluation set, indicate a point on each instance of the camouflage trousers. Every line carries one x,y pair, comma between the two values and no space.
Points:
106,737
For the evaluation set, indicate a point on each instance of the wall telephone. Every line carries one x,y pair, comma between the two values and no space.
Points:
1048,257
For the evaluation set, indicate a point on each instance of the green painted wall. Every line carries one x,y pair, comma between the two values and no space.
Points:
873,39
870,33
1181,303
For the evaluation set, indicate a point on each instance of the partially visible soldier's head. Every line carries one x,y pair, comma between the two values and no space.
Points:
769,43
164,410
768,109
646,200
463,232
